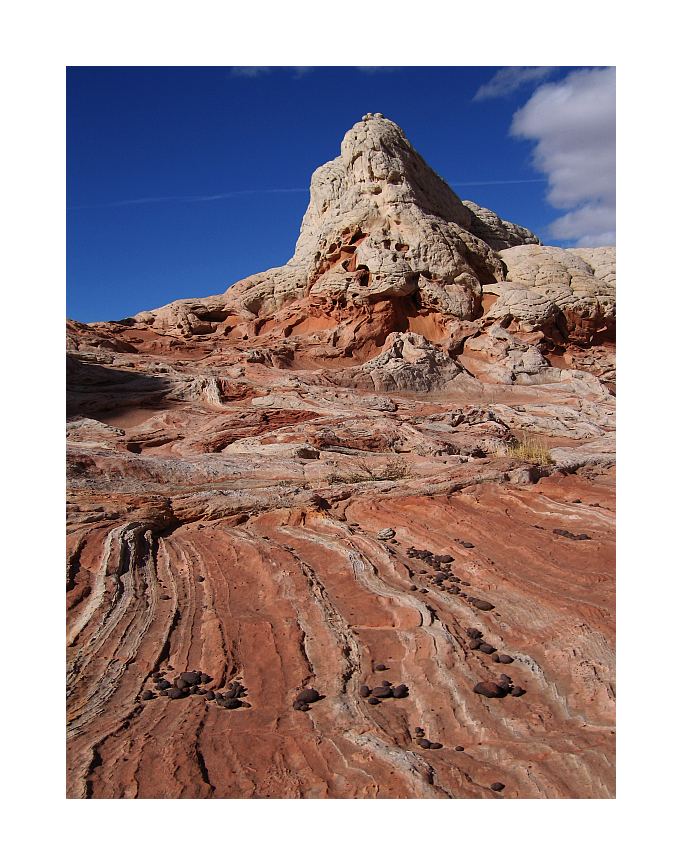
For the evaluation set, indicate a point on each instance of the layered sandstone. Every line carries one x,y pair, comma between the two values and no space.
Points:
312,483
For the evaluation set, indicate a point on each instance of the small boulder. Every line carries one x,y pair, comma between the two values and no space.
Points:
364,691
482,605
380,667
489,689
385,534
147,695
486,648
498,786
474,633
505,659
382,692
176,693
308,695
516,691
373,701
459,748
400,691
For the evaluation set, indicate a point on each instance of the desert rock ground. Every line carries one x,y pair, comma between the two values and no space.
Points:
313,482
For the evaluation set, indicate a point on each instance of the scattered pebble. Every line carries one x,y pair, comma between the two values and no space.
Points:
566,534
481,604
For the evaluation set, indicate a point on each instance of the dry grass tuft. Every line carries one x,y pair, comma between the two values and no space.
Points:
529,450
393,470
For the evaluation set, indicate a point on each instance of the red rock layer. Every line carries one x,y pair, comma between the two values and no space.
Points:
305,594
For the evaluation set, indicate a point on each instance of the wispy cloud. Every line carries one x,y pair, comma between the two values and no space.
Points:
187,199
250,71
510,79
371,70
258,71
573,125
299,71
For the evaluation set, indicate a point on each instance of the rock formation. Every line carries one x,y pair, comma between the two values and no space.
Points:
311,519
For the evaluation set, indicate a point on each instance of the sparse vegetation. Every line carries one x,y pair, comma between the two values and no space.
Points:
529,450
393,470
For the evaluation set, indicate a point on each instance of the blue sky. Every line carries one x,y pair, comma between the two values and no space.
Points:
182,180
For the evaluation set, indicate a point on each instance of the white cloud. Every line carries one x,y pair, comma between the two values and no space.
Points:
509,79
573,123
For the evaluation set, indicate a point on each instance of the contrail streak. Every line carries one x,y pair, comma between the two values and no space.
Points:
218,196
186,198
494,182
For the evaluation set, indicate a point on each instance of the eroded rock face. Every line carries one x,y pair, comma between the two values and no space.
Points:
408,362
498,233
579,283
313,487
